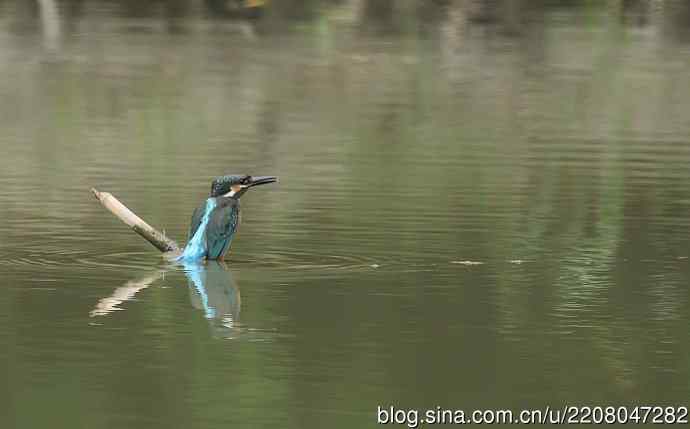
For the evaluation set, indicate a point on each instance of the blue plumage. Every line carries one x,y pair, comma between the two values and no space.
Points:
196,275
213,226
215,222
196,248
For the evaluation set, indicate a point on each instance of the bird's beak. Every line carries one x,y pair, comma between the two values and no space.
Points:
262,180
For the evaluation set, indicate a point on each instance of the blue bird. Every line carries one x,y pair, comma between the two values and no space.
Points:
215,222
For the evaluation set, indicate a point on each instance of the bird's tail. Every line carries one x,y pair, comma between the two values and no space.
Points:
196,247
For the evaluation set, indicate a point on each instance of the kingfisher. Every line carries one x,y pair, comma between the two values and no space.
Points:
215,221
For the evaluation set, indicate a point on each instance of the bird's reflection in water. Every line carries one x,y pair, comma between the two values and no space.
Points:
212,289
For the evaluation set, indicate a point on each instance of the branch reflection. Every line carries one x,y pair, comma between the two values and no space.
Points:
212,290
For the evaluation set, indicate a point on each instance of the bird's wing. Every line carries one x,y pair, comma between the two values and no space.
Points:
196,220
223,221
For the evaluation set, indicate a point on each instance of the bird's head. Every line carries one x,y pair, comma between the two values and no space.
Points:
235,185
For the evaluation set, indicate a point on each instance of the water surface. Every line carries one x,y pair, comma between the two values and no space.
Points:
464,219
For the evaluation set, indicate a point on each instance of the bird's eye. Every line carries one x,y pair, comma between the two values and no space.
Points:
246,180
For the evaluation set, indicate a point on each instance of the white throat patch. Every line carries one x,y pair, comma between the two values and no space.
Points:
232,193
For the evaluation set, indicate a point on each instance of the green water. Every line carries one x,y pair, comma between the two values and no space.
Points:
464,219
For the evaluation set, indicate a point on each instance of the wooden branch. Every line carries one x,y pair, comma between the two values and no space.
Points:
152,235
